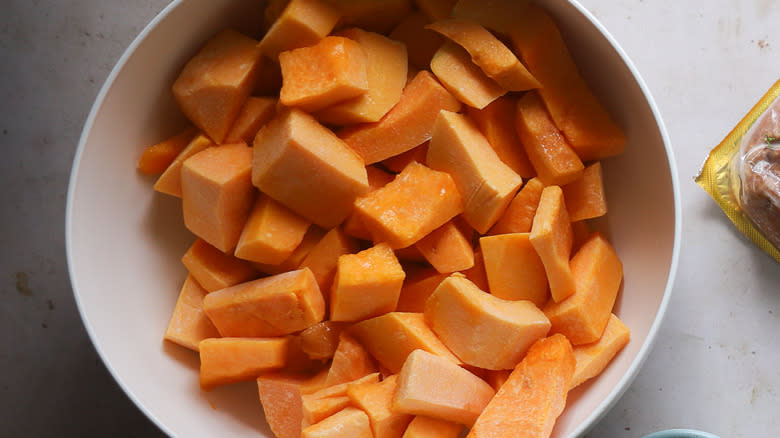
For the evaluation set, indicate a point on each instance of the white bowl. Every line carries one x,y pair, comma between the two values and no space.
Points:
124,241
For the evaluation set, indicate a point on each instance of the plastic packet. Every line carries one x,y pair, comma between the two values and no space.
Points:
742,173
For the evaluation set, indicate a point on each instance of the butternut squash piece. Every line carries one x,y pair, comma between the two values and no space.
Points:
321,340
416,202
318,409
433,386
302,23
519,215
593,358
533,397
213,269
366,284
340,389
303,165
399,162
188,324
378,178
170,180
376,399
488,53
576,111
217,194
421,43
281,396
349,422
271,306
477,273
447,249
435,9
214,85
585,198
157,157
514,269
331,71
485,183
257,111
372,15
417,288
465,80
481,329
323,257
497,15
353,226
427,427
271,233
310,239
497,123
350,361
408,124
386,69
391,337
551,237
597,273
552,156
230,360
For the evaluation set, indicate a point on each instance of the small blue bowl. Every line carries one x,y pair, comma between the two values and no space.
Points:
681,433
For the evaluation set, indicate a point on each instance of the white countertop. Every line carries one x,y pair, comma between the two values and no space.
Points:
715,365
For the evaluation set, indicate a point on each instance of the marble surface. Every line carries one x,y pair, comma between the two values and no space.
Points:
714,365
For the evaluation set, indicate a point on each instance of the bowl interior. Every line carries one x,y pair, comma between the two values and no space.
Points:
124,241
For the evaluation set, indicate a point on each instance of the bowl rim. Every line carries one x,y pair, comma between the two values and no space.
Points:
590,421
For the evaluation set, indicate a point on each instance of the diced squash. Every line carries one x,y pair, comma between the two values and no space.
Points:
597,273
551,237
435,9
372,15
217,194
157,157
477,274
170,180
376,399
399,162
433,386
331,71
416,202
321,340
257,111
378,178
533,397
427,427
497,15
584,196
552,156
353,226
519,215
213,269
303,165
485,183
366,284
488,53
271,306
417,288
189,325
318,409
214,85
310,239
465,80
514,269
481,329
447,249
341,388
281,396
572,105
350,361
323,257
594,357
421,43
408,124
391,337
271,233
230,360
349,422
302,23
386,69
497,123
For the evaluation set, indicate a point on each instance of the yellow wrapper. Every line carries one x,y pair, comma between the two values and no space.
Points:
721,175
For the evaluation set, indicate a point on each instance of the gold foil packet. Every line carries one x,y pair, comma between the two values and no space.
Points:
742,173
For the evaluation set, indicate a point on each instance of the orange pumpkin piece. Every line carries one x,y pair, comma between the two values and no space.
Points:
214,85
331,71
408,124
323,257
465,80
349,422
427,427
552,156
318,409
497,123
310,239
417,288
482,330
519,215
257,111
391,337
303,165
551,237
585,198
302,23
271,233
157,157
341,388
366,284
376,399
188,324
372,15
533,397
488,53
447,249
497,15
213,269
436,387
593,358
281,396
350,361
514,269
230,360
170,180
477,273
416,202
485,183
217,194
421,43
320,341
399,162
576,111
271,306
597,273
386,70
